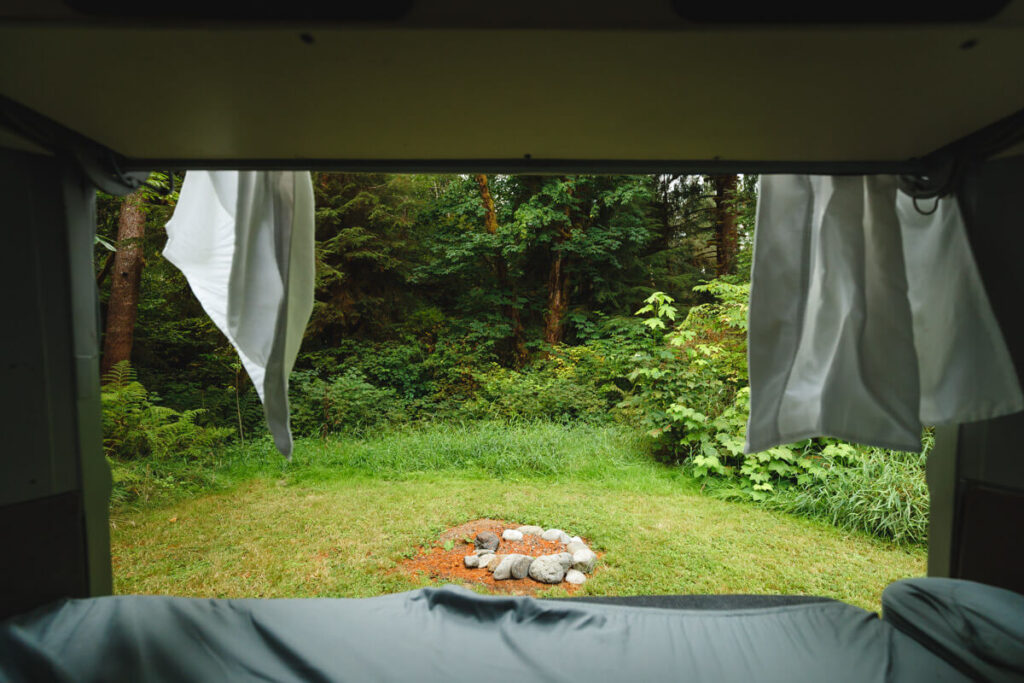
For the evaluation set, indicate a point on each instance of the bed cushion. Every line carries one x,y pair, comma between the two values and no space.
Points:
979,629
452,634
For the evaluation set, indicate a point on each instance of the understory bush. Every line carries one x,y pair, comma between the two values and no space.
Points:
135,426
505,394
347,403
882,492
691,396
149,446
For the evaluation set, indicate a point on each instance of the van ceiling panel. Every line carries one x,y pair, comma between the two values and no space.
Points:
759,94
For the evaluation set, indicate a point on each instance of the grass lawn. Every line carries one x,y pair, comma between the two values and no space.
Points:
341,518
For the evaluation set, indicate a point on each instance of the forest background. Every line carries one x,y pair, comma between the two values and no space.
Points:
612,301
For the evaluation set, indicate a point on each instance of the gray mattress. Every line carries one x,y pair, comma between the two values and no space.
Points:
940,630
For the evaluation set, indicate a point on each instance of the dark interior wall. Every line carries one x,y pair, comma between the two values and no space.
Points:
54,484
979,535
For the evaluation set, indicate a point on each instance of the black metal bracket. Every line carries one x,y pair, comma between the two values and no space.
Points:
946,166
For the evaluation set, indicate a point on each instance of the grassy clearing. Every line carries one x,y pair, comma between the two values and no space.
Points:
339,520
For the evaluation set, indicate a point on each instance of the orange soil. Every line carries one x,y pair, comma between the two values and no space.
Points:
448,565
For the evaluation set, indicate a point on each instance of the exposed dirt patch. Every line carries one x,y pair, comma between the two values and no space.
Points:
448,565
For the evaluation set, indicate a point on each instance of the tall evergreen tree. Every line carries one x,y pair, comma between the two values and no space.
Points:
726,219
123,306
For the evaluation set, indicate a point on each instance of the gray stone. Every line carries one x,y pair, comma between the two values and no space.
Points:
576,539
504,569
493,563
565,559
573,546
575,576
547,569
554,535
529,530
471,561
485,539
511,535
521,567
584,560
482,560
483,551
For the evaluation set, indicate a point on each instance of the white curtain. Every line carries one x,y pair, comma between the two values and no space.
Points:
868,319
244,241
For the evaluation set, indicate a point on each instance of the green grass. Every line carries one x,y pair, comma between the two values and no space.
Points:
886,494
495,449
346,512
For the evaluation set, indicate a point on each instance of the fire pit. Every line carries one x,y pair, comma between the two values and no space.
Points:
508,557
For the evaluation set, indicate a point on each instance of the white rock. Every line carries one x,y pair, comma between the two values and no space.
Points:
565,559
471,561
504,569
482,560
573,546
511,535
521,567
576,539
575,576
547,569
553,535
531,530
584,560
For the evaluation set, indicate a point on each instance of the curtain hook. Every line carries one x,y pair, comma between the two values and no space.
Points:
935,207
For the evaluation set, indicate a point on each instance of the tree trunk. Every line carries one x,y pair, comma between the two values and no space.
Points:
501,273
558,300
558,279
490,214
726,243
123,306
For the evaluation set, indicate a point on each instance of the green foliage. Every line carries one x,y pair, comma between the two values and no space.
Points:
367,232
539,394
692,398
149,445
689,388
598,225
881,492
413,292
136,426
346,403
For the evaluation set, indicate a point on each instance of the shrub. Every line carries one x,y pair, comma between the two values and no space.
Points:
692,397
535,395
150,448
345,404
600,365
136,427
881,492
691,392
397,365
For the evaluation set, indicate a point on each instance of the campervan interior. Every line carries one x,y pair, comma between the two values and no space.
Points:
95,95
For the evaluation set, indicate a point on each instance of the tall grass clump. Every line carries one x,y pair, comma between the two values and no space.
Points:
488,448
884,494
